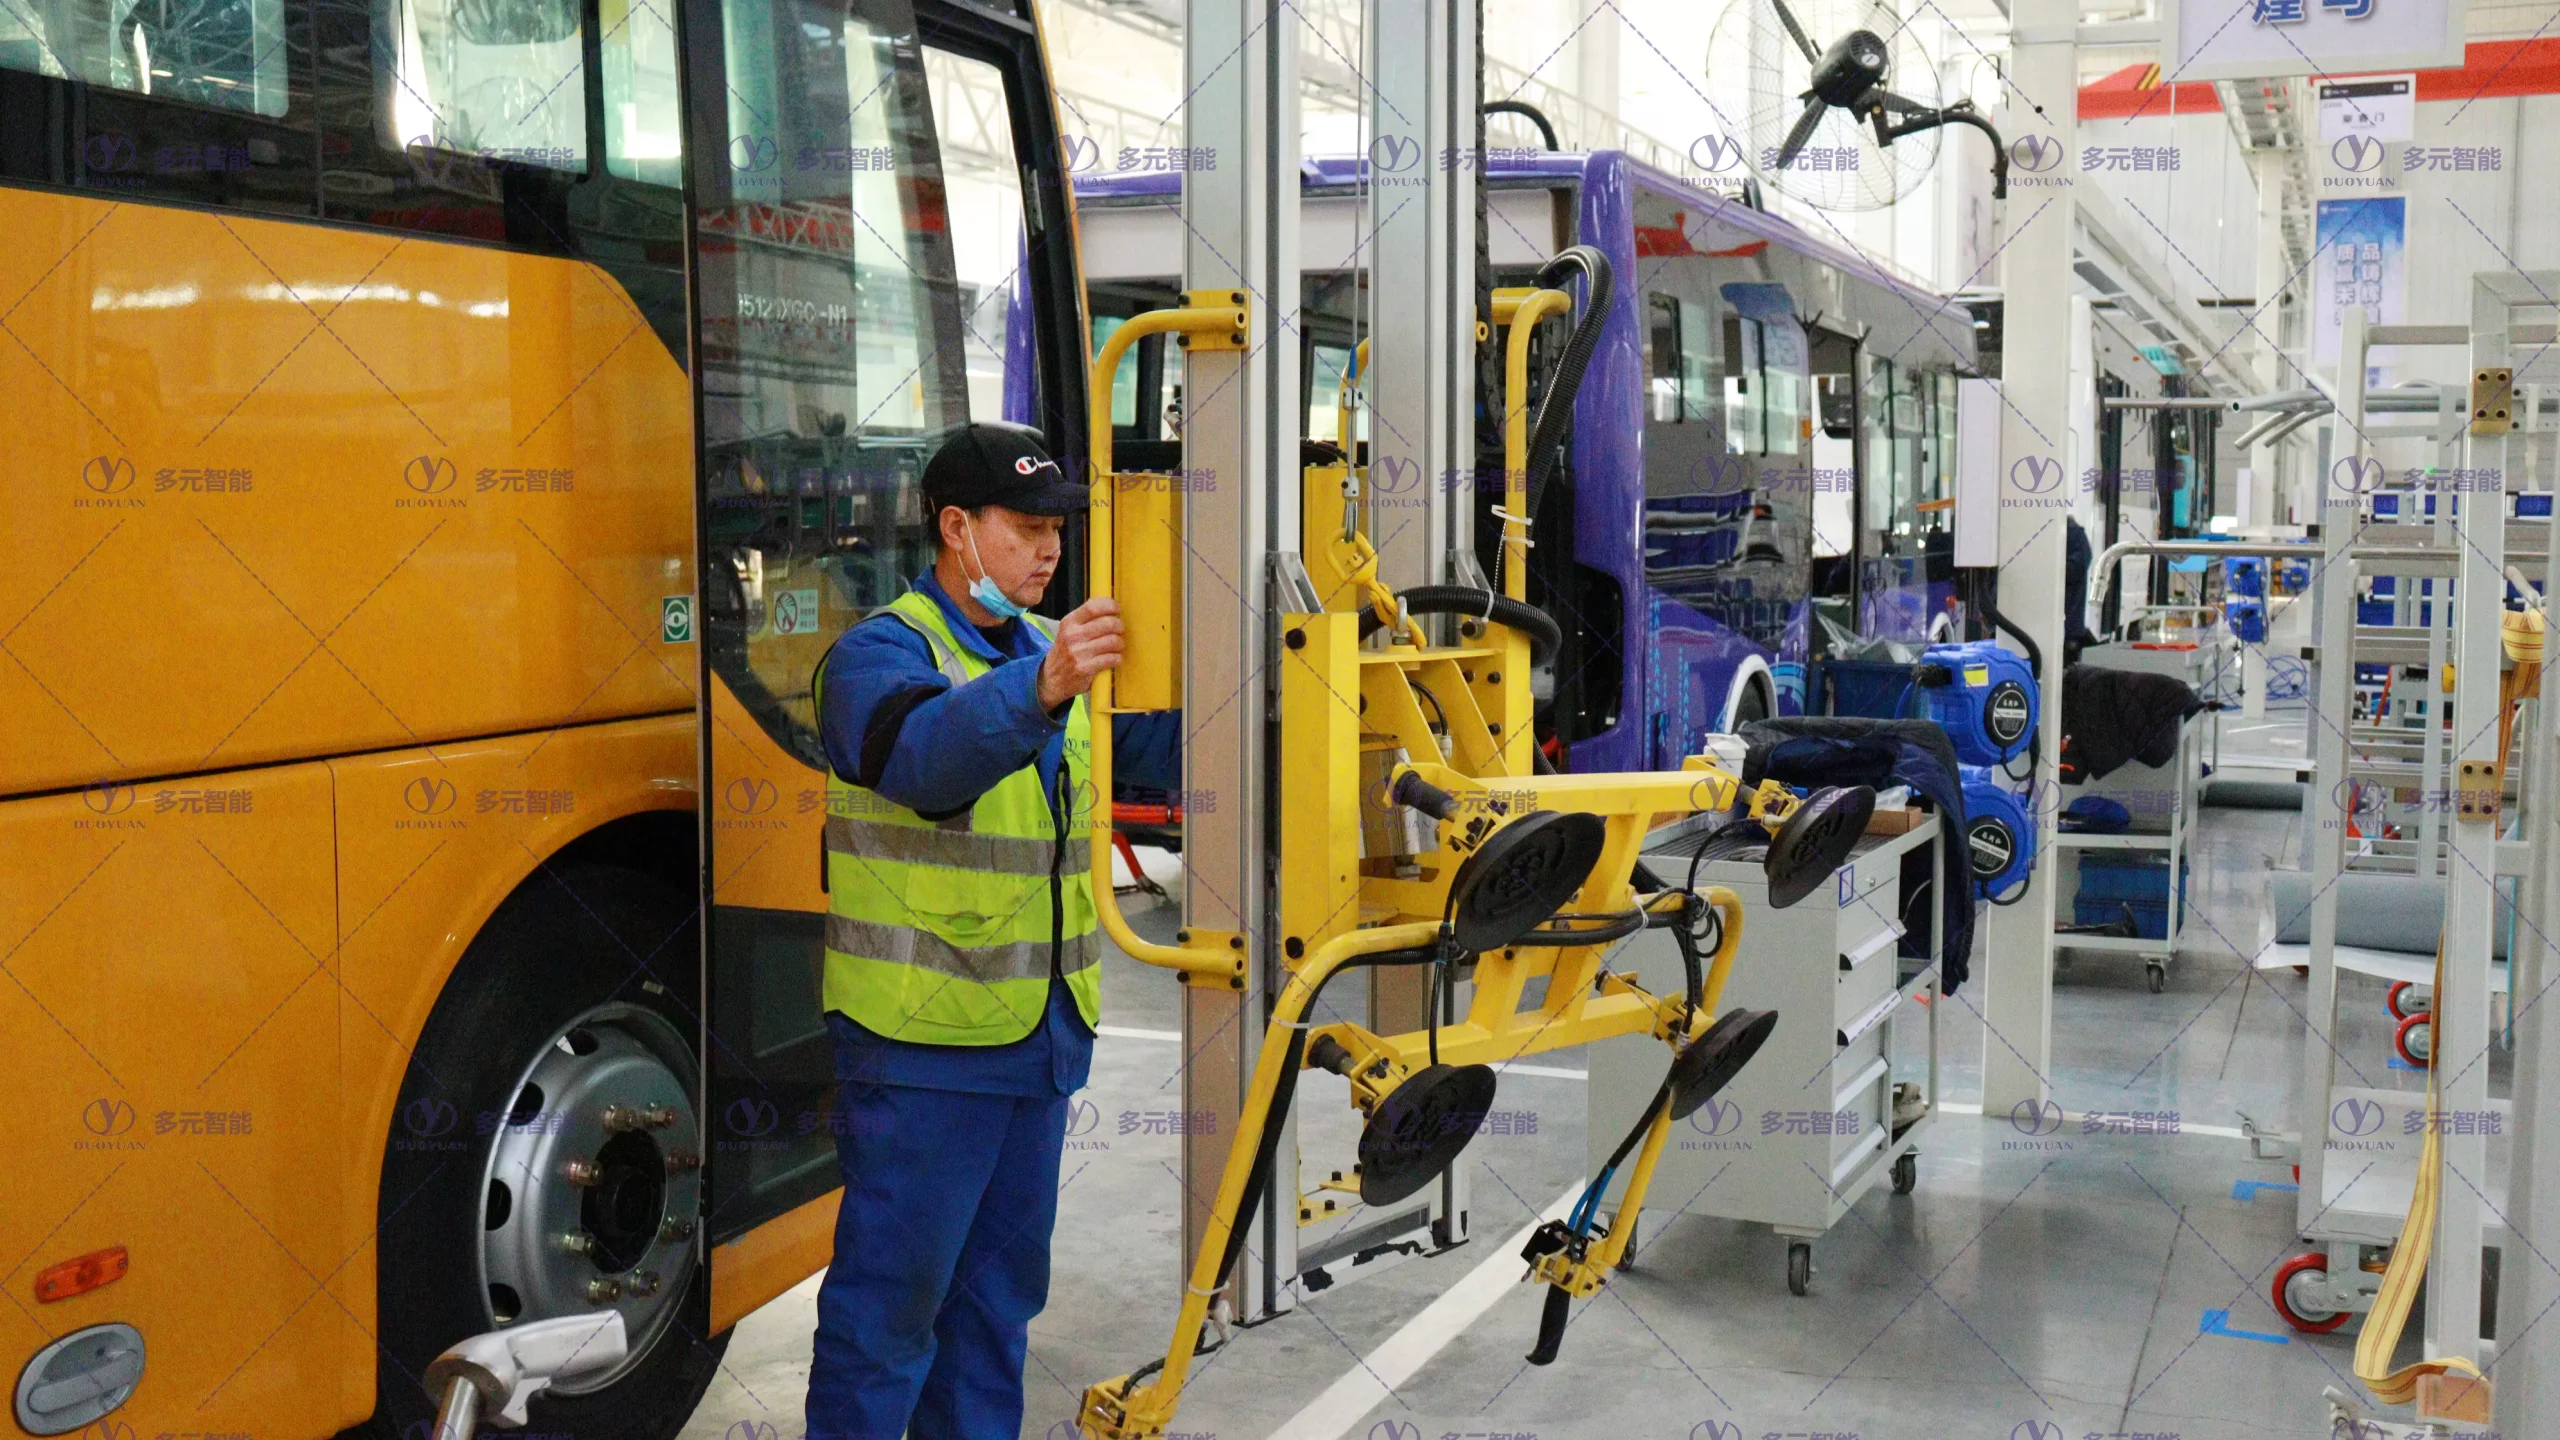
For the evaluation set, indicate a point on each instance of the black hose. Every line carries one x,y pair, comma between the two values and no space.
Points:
1555,409
1528,112
1551,1323
1286,1091
1543,632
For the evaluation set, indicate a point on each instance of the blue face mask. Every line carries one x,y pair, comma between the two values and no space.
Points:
983,589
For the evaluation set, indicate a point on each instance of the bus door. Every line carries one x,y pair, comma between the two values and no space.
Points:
875,202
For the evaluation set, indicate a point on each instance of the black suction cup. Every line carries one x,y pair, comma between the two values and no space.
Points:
1815,839
1419,1129
1523,874
1710,1064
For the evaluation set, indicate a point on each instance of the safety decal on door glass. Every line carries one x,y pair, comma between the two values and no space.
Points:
795,612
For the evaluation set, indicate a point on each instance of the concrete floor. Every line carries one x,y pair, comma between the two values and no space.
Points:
2021,1292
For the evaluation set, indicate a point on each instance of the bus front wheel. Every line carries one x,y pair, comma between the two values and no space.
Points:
546,1156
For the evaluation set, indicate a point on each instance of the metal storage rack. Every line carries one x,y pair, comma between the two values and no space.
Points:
1807,1129
2358,1148
2178,782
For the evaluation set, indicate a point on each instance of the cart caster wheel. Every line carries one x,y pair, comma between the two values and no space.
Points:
2157,977
1799,1267
2415,1039
1906,1172
2310,1272
2404,999
1627,1257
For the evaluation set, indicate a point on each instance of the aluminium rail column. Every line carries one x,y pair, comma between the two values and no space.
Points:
1240,431
1417,241
2527,1374
2038,223
2459,1035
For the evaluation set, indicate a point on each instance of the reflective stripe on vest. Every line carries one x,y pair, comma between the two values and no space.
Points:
943,931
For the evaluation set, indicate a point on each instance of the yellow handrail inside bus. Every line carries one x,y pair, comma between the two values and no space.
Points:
1202,952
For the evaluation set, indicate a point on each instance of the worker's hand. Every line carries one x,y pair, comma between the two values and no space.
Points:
1090,641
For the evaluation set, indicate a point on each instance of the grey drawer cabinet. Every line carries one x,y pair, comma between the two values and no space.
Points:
1808,1127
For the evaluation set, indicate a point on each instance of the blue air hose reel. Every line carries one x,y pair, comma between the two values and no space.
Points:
1984,698
1999,834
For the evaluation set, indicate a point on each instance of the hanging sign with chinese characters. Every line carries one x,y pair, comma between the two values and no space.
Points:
2244,39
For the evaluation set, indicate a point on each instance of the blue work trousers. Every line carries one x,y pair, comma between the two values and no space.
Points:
942,1258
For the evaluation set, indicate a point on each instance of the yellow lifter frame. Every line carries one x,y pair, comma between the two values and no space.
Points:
1338,703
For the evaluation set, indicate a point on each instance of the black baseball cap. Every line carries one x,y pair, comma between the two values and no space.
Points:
995,464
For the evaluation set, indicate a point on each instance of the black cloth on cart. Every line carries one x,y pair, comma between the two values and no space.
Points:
2110,717
1845,750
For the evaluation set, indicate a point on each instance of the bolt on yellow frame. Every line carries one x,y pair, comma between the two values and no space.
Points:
1347,712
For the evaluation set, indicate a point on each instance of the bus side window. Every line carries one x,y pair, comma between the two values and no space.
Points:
1784,394
226,57
499,79
1662,358
637,49
1697,363
1743,433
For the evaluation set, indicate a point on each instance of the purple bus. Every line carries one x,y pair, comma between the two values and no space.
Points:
1762,466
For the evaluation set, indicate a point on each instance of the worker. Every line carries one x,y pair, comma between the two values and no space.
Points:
962,957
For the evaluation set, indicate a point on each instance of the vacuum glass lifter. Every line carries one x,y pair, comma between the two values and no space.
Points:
1413,831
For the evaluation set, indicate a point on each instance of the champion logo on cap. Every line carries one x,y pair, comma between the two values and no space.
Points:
1031,465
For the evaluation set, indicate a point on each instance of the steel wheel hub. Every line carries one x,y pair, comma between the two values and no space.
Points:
594,1186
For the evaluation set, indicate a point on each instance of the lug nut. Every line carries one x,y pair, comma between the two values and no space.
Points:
658,1117
582,1171
679,1163
578,1242
618,1118
675,1229
601,1292
644,1283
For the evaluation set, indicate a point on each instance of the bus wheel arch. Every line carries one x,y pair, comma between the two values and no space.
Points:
1752,694
579,987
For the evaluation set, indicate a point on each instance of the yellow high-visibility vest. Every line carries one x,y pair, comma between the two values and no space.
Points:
947,932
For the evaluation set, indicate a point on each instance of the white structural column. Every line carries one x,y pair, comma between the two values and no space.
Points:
1419,248
2265,503
2036,228
1595,57
1240,439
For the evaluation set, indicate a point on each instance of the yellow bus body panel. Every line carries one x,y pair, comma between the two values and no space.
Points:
278,491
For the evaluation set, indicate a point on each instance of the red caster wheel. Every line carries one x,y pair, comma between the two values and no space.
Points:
2311,1272
2415,1039
2404,999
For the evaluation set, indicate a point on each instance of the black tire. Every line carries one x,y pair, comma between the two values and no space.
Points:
1752,704
1906,1172
1799,1267
586,941
2157,977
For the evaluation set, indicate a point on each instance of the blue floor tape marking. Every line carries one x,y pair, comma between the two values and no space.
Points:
2218,1322
2245,1191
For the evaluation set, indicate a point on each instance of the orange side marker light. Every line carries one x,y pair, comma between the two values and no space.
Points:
81,1275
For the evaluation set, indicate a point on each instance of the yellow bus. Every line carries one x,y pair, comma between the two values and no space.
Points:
433,445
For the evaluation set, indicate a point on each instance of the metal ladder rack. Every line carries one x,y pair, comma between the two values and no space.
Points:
2360,1142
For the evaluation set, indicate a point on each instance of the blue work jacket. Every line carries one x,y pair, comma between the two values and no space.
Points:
893,724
